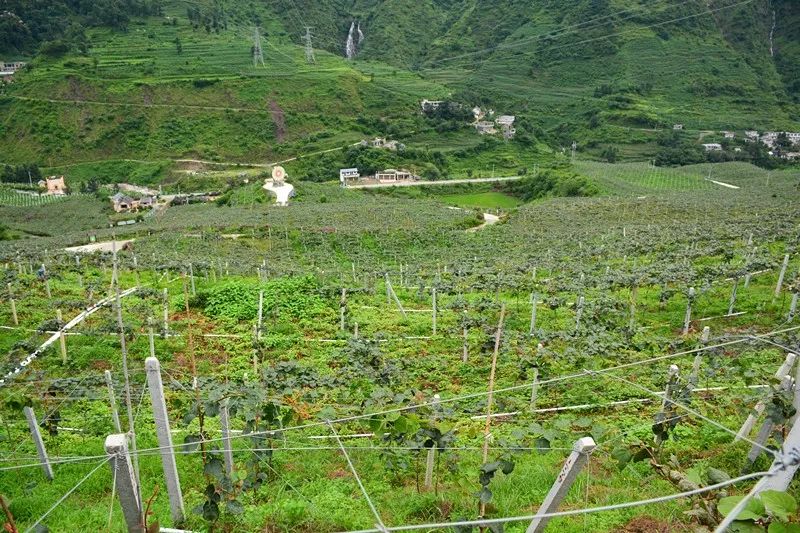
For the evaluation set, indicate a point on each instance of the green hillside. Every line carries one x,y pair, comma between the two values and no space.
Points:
171,80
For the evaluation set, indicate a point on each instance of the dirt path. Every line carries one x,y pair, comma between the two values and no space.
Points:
99,247
488,220
442,182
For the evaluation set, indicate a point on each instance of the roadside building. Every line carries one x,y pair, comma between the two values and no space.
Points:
391,175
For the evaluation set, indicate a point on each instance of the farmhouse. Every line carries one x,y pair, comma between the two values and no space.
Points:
431,105
485,128
54,185
712,147
380,142
8,69
122,202
729,134
391,174
506,123
771,137
751,136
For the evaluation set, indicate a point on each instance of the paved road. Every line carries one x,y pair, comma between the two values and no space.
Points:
442,182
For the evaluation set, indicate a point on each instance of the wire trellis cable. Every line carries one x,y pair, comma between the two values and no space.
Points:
65,496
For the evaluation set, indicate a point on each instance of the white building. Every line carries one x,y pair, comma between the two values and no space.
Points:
391,175
431,105
677,126
713,147
729,134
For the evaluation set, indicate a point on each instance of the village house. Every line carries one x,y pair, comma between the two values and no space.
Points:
380,142
485,128
8,69
677,126
750,136
770,138
391,175
713,147
728,134
506,123
54,185
122,202
431,105
478,113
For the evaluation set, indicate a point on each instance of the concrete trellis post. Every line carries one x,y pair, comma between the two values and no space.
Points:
579,313
33,425
569,473
671,377
430,460
435,311
161,418
191,279
14,317
534,304
342,309
166,312
355,330
782,275
390,291
62,342
112,398
227,446
732,303
747,427
127,486
793,307
688,318
767,427
634,296
150,337
706,335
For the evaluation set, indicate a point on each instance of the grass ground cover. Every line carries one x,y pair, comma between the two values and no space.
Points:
487,200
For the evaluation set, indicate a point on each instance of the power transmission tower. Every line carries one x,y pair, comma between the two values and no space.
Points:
258,53
309,49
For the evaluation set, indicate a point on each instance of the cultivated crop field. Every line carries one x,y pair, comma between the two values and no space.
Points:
370,365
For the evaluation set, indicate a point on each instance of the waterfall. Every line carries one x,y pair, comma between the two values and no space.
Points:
350,47
360,34
772,34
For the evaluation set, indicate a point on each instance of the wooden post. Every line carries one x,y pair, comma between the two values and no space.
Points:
33,425
688,318
782,275
534,304
161,419
490,397
166,313
569,473
127,486
227,446
767,427
260,323
14,317
433,327
732,303
62,342
430,460
112,398
747,427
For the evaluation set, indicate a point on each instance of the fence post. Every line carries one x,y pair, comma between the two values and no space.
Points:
569,473
62,342
747,427
127,487
227,450
161,419
14,317
782,275
634,296
433,292
33,425
150,337
534,304
688,318
113,400
793,307
429,463
342,308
